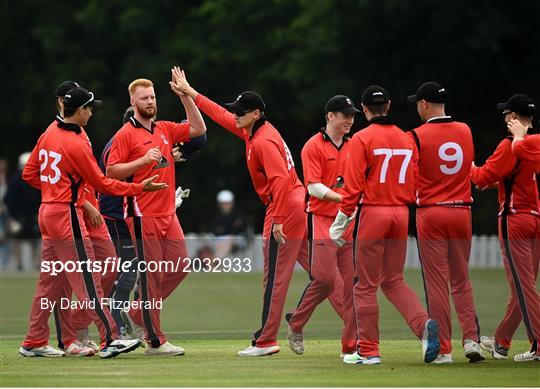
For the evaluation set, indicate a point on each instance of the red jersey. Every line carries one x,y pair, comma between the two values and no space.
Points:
380,167
61,164
529,150
269,160
132,142
518,191
324,163
445,154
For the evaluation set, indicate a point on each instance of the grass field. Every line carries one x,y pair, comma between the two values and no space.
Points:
213,315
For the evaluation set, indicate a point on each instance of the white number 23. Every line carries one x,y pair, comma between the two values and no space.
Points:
388,154
56,158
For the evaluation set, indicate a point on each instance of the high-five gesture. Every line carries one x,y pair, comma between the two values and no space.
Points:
179,83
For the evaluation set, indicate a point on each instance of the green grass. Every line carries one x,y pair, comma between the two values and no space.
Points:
213,315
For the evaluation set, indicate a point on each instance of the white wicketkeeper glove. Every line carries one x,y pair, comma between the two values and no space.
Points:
180,196
338,227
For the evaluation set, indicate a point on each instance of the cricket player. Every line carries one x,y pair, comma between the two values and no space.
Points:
443,218
379,179
272,171
519,233
102,245
59,166
142,146
111,209
323,160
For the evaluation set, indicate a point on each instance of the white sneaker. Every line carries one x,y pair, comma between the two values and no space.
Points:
356,359
430,341
296,341
164,349
45,351
472,351
527,356
133,329
118,346
253,351
84,338
490,345
443,359
77,349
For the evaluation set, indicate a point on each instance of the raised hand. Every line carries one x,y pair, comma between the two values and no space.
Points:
516,128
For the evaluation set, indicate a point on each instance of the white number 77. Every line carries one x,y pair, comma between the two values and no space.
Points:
388,153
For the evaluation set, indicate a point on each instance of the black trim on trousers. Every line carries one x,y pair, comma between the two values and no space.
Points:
269,288
87,276
515,277
58,326
415,234
143,283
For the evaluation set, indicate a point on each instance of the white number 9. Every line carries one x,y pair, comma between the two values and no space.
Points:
455,156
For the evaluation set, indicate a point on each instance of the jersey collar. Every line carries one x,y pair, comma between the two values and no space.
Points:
440,119
384,120
138,124
327,138
258,124
67,126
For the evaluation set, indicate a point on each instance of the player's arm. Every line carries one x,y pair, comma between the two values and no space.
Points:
497,167
119,152
213,110
277,173
31,171
311,162
86,166
355,176
528,149
194,117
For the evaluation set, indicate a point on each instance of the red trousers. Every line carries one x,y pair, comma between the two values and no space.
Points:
519,235
157,240
279,260
444,244
327,263
381,247
66,239
103,250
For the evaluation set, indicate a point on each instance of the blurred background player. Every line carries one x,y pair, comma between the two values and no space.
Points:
59,165
379,178
229,227
519,233
323,161
443,218
22,203
142,146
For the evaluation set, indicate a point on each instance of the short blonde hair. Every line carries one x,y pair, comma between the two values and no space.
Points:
145,83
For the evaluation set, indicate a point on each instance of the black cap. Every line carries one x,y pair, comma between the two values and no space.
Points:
520,104
65,87
245,102
340,103
375,95
80,97
430,91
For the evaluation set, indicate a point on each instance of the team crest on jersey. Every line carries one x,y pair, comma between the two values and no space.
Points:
163,163
249,154
164,139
